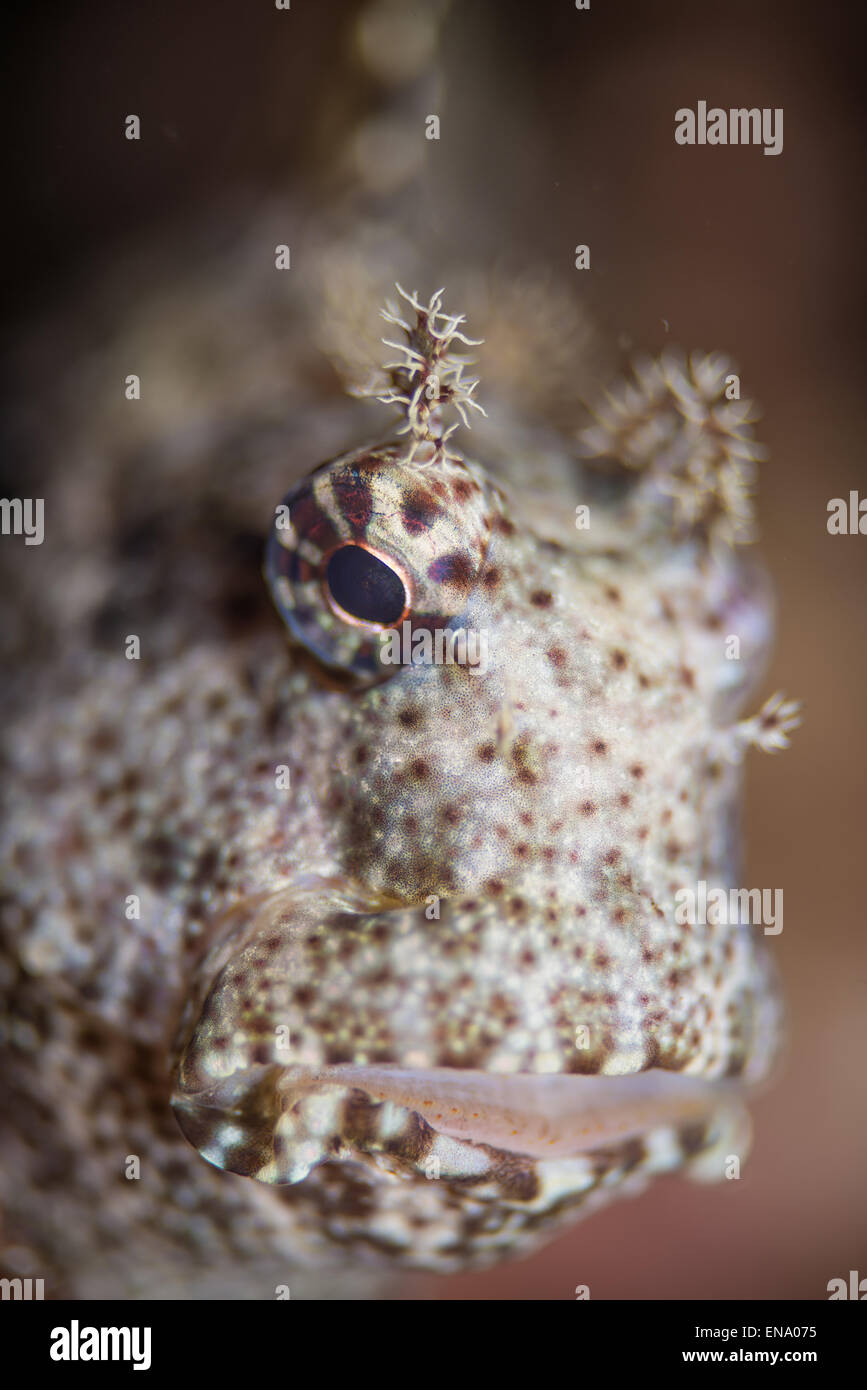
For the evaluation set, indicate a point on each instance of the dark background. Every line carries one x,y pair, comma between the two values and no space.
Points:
565,135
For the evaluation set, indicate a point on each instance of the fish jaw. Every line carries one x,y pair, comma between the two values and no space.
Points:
291,1062
277,1123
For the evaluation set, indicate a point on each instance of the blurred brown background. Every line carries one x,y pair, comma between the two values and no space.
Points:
561,130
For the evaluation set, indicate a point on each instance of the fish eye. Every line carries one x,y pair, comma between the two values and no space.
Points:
369,540
364,587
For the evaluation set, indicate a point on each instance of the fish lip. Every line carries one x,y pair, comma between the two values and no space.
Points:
588,1108
529,1115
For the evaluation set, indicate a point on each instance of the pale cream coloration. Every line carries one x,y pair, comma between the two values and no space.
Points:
464,890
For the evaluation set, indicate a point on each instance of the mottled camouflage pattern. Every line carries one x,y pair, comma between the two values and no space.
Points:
424,998
463,871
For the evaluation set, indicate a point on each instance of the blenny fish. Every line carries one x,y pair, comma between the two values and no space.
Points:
326,944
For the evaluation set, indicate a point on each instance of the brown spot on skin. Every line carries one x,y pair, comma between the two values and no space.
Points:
611,857
613,594
419,511
486,752
624,799
492,577
455,570
216,701
451,814
636,771
521,755
372,462
494,887
378,977
618,660
503,525
557,657
356,500
588,808
541,598
599,747
103,739
419,770
410,717
687,677
310,521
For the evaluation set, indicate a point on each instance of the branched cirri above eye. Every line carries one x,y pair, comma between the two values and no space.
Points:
384,534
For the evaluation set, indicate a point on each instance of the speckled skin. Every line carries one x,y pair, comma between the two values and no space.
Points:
466,872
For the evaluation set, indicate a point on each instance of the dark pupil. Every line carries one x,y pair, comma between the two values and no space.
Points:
364,587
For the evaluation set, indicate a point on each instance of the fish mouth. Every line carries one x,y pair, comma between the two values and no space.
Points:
540,1116
297,1049
278,1125
440,1169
